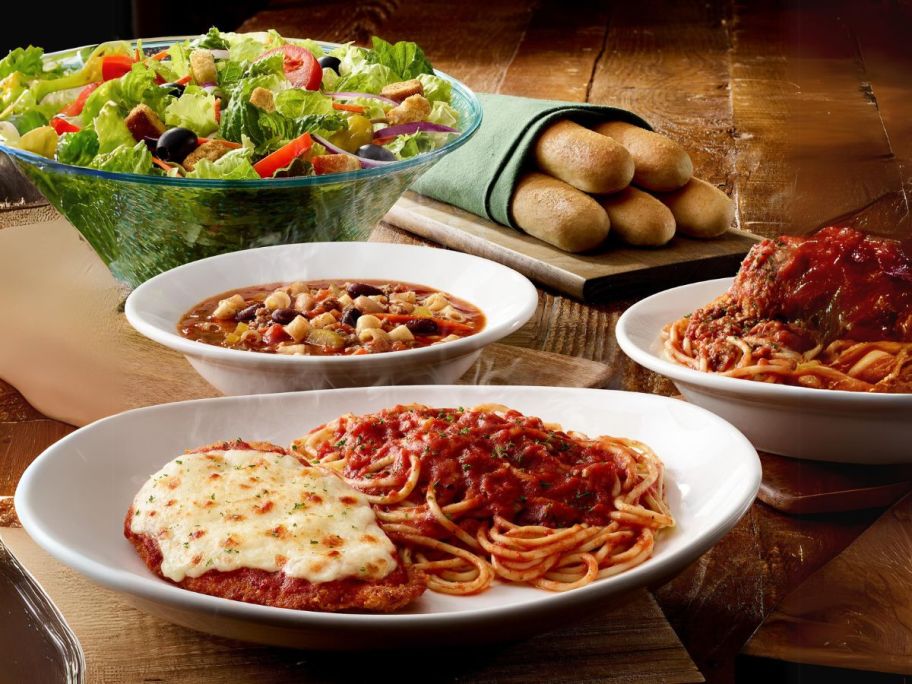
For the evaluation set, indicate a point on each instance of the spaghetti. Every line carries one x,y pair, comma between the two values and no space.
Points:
470,495
831,311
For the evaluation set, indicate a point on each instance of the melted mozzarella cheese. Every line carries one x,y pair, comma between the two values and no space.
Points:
225,510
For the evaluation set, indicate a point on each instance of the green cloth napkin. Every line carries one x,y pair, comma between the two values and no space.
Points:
480,176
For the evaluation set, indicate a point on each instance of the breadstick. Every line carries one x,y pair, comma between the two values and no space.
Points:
638,218
586,160
558,213
700,209
660,163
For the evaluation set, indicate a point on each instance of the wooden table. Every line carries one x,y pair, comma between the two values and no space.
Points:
801,114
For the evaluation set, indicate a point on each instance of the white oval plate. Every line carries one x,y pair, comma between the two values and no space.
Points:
506,298
72,500
825,425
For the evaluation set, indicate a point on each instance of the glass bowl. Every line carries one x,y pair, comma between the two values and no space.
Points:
143,225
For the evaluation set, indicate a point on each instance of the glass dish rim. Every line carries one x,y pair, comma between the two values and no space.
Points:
43,163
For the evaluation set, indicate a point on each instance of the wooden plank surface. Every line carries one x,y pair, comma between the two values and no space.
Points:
123,644
802,111
813,487
608,273
855,611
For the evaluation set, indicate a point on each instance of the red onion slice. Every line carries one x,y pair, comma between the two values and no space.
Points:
415,127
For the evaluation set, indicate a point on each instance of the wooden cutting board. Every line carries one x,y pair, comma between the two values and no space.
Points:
632,642
589,277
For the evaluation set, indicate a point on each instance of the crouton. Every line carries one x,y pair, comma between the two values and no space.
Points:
262,98
403,89
414,108
211,150
334,163
144,123
202,67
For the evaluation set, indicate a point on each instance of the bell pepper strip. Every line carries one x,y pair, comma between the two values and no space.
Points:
357,109
184,80
275,333
160,164
115,66
283,156
63,126
404,318
76,106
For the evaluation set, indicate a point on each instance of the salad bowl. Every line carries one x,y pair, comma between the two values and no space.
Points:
141,225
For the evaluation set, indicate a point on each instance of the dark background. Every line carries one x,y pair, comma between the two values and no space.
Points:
64,25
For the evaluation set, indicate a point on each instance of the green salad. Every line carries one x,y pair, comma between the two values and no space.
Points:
226,106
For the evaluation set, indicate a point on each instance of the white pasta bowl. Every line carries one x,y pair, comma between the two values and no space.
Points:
816,424
73,498
506,298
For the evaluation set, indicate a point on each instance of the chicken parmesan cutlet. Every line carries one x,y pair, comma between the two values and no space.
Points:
250,522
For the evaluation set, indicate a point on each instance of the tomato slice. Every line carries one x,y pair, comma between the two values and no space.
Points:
115,66
75,108
63,126
301,67
283,156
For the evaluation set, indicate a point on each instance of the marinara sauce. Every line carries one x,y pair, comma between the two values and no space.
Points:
523,470
838,282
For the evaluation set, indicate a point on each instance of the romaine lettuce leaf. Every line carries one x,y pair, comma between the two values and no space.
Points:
405,58
244,48
78,148
234,165
296,102
368,78
330,78
27,61
351,58
443,113
180,59
111,129
274,64
28,120
195,109
435,88
229,73
213,40
136,87
125,159
406,146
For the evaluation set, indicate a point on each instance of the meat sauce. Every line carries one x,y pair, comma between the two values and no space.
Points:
838,282
798,292
522,469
